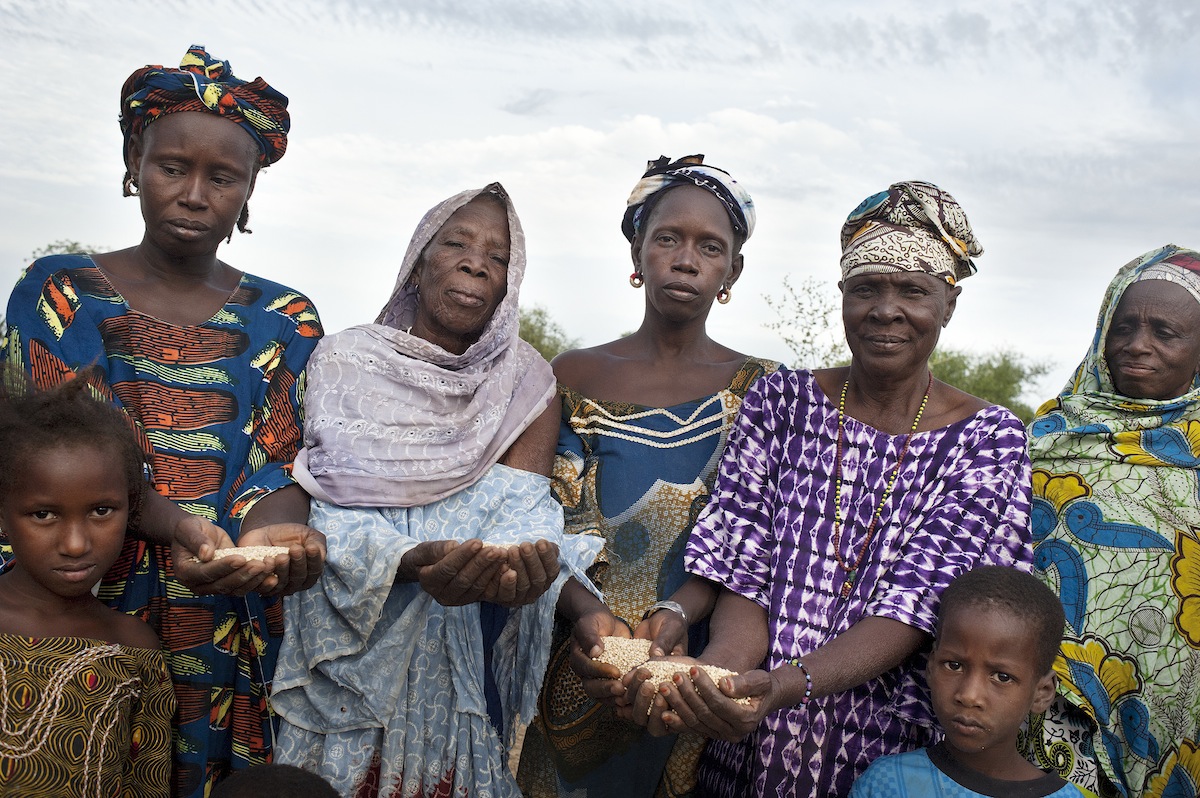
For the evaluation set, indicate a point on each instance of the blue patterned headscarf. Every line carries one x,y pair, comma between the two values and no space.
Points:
690,171
203,83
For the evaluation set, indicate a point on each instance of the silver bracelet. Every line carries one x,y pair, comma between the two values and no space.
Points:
673,606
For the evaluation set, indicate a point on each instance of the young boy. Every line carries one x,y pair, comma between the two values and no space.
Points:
998,633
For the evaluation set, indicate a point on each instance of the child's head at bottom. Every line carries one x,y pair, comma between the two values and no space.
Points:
71,480
998,633
274,781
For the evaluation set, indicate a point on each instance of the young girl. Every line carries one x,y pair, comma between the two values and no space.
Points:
85,698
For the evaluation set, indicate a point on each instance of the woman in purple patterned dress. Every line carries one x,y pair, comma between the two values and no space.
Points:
847,499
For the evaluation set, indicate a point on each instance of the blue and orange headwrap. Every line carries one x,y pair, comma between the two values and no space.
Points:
202,83
690,171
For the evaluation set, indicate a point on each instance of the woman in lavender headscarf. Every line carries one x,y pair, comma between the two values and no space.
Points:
429,437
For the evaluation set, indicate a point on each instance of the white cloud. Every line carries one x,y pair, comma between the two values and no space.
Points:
1067,129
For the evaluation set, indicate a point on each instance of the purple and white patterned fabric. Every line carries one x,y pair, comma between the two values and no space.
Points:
962,499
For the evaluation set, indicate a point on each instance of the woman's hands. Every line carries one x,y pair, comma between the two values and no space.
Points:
457,573
532,568
194,540
691,701
297,570
667,632
277,519
601,681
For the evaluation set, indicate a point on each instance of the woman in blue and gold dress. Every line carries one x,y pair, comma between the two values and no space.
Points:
644,423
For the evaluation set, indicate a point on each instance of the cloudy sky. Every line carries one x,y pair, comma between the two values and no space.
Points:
1068,129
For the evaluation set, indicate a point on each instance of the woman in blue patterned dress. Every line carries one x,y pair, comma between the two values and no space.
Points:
644,422
847,499
207,362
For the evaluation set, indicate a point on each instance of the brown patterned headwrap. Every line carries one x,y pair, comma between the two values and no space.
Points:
913,226
203,83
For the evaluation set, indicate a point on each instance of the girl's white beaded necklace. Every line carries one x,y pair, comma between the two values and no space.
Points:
851,569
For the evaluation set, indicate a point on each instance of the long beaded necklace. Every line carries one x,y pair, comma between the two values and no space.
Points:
851,569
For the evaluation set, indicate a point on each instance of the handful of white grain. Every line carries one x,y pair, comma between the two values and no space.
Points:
626,654
249,552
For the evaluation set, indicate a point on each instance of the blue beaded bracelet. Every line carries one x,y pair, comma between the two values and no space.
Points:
808,687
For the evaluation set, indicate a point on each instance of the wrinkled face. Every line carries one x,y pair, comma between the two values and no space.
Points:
685,252
195,171
984,681
65,515
462,275
893,320
1153,342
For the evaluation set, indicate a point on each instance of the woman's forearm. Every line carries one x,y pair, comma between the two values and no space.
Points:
697,596
160,515
575,601
867,649
737,633
158,518
288,505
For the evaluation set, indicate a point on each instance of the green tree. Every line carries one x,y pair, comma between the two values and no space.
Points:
808,320
1000,377
546,335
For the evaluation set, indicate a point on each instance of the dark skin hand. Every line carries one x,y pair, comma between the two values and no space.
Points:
665,629
457,573
281,519
738,634
601,681
867,649
266,524
668,635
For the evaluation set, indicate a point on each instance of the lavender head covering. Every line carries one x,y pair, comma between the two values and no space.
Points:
913,226
393,420
664,173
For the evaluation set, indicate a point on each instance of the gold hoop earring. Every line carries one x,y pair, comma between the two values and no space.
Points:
724,295
130,187
636,280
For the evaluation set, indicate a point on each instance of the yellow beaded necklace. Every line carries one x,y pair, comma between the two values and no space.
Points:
851,569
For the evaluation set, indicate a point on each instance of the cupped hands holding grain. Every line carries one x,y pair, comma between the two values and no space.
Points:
712,702
275,559
630,655
457,573
193,542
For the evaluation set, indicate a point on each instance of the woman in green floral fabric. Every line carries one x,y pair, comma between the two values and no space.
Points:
1116,520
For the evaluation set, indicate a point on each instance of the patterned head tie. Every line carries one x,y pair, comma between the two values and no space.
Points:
1181,268
690,171
202,83
911,227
